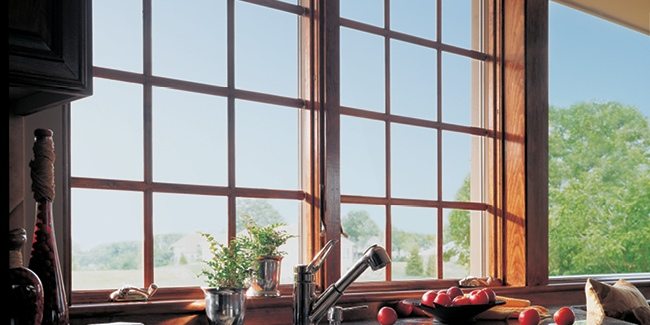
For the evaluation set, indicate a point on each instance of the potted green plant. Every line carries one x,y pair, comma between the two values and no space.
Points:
226,274
264,244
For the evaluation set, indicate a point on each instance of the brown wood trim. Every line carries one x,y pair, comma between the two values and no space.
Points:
114,184
357,199
66,222
514,107
196,87
280,308
118,75
282,6
388,228
536,142
413,39
147,118
329,69
356,112
439,160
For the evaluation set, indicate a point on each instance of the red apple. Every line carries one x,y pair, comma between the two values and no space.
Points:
404,308
479,298
491,294
442,299
442,291
387,316
461,301
564,316
454,292
428,298
529,317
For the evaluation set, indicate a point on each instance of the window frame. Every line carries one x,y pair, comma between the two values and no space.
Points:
517,87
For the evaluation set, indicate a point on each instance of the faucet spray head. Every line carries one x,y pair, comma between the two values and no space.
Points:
376,257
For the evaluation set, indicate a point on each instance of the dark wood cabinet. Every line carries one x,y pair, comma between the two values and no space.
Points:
50,53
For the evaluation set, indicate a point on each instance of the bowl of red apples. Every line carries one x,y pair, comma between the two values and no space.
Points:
453,307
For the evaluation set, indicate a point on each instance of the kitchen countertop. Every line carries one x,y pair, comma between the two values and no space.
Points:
579,312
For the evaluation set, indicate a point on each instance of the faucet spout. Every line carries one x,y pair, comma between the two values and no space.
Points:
374,257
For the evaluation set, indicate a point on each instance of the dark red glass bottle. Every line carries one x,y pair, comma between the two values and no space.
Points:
25,301
45,258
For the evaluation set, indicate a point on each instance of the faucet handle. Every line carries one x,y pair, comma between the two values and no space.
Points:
320,257
335,314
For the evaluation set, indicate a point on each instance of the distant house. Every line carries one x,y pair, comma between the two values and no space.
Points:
189,249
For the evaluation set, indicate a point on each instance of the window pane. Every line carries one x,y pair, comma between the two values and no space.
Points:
364,225
458,151
189,41
456,250
413,81
414,232
460,99
266,145
599,146
366,11
363,157
106,239
362,70
189,138
413,162
266,53
178,246
415,17
457,22
106,132
269,211
123,52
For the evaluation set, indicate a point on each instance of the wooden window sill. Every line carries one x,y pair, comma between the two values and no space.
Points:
554,294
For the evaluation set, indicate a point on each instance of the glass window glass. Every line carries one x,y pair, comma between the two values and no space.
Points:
266,145
414,167
364,225
107,237
179,248
363,157
189,138
362,70
123,52
189,42
266,54
106,132
413,90
414,237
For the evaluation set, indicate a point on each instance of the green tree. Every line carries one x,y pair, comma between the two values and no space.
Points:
599,192
162,248
406,240
457,231
414,262
432,266
360,227
261,211
599,189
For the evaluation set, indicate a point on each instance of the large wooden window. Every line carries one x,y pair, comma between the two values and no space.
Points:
195,123
413,135
377,118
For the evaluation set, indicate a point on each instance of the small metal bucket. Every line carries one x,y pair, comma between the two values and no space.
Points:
225,306
266,278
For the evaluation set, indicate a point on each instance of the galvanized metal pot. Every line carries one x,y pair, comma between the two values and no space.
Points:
266,277
225,306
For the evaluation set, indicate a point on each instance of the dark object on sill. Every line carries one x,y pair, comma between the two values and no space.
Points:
45,258
25,300
130,293
455,314
473,281
50,59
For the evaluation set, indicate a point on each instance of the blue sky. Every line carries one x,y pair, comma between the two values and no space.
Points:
589,59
